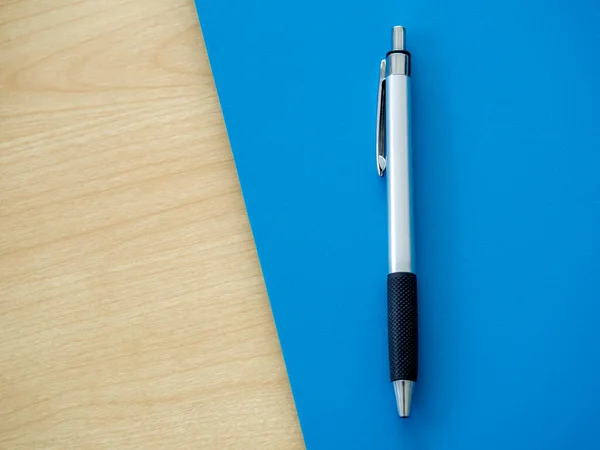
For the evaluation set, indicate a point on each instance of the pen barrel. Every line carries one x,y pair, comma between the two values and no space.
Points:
402,281
402,326
399,175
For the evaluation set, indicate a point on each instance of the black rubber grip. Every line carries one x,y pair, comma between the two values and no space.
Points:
402,325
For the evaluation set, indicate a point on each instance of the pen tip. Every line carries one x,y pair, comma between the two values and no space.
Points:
403,390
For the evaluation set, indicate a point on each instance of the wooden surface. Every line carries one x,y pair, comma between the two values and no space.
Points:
132,309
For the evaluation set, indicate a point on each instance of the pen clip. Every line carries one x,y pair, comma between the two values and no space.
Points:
380,146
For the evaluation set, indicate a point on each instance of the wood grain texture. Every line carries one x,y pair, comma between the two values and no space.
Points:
132,308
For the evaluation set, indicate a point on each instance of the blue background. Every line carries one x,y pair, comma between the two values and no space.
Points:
506,134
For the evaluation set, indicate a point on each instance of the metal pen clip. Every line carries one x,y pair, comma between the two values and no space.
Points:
380,146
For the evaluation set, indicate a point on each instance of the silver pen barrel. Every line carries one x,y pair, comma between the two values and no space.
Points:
399,157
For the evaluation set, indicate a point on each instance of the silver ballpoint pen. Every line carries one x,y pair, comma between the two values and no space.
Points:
394,161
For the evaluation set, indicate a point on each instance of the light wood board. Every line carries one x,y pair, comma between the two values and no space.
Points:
133,312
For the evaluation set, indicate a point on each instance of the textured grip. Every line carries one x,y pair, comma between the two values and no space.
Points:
402,325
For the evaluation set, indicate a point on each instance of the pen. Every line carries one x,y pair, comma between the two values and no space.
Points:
394,161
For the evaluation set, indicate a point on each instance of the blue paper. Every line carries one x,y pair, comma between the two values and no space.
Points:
506,134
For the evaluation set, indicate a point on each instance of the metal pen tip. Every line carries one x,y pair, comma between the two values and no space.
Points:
403,390
398,38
